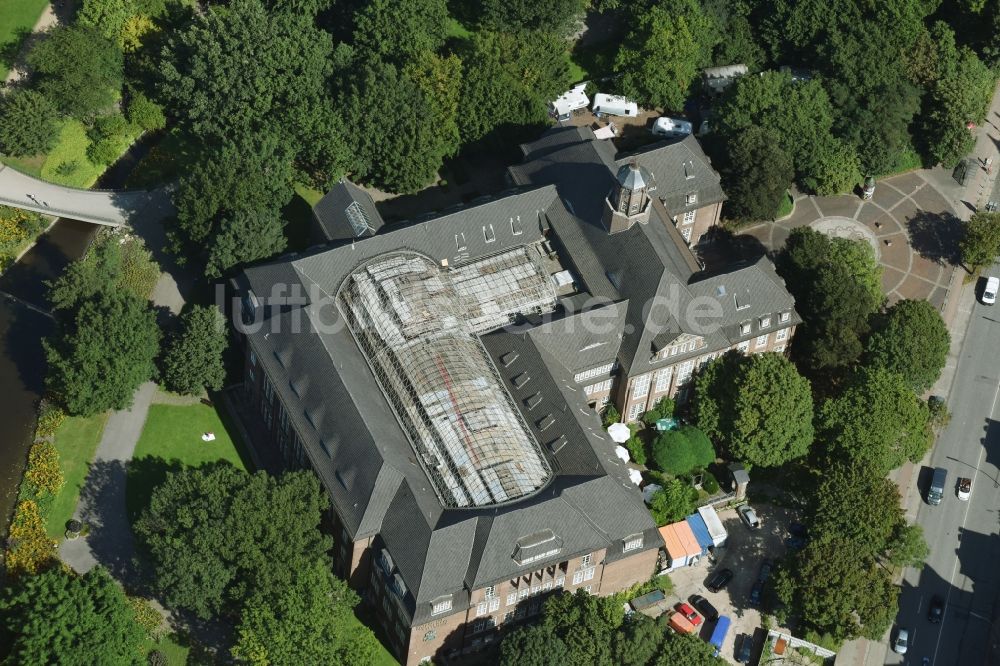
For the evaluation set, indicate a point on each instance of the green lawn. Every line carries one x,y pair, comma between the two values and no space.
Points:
172,648
19,17
76,440
171,439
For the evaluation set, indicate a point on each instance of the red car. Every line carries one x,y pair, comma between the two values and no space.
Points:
688,612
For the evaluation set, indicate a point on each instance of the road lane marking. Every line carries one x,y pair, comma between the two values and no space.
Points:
965,517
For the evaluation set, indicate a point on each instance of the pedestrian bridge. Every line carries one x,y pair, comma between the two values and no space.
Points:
107,207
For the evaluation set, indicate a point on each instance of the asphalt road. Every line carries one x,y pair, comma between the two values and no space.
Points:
964,564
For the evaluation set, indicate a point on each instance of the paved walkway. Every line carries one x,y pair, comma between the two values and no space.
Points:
110,208
50,17
912,225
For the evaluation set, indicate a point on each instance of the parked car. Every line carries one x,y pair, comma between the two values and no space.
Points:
670,127
756,593
745,650
689,613
964,488
749,517
936,610
718,581
990,290
704,606
902,641
766,566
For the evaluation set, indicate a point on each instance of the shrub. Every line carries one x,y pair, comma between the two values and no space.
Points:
104,151
610,415
111,126
147,616
673,502
709,483
29,549
139,272
636,449
44,472
50,417
145,113
663,409
157,658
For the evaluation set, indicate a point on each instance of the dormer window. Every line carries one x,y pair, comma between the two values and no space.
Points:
515,226
488,234
690,198
784,317
745,328
633,542
689,170
765,322
460,241
441,606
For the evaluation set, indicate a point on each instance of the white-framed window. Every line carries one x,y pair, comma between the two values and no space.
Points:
535,589
745,328
488,234
641,386
765,322
588,574
522,593
761,341
460,241
599,387
586,560
441,607
784,317
632,543
577,577
780,349
689,217
515,226
588,589
593,372
494,604
686,233
478,626
781,335
482,608
512,598
744,346
673,350
687,367
663,378
546,586
691,198
561,581
634,411
490,591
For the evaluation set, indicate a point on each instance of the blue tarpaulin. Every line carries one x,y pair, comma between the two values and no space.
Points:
700,529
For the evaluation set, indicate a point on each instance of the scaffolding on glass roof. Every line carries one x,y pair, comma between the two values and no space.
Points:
414,327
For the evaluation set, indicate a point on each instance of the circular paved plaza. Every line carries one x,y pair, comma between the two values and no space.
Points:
908,222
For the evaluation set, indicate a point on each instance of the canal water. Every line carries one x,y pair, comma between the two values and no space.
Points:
23,325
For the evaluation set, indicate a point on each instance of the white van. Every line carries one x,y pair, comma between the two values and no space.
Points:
569,101
990,290
614,105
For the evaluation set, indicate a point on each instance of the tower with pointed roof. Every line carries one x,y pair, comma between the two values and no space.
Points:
629,201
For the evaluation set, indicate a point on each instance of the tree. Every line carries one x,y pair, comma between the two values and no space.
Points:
833,590
638,641
111,264
507,80
78,69
243,237
755,193
397,152
680,451
835,170
759,408
194,360
907,547
310,622
672,502
689,650
878,422
980,244
837,287
586,623
912,341
663,409
533,645
513,16
102,353
217,535
145,113
662,55
58,617
960,94
27,123
399,32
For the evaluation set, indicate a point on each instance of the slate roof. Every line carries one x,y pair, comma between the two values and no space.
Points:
679,168
352,435
347,212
